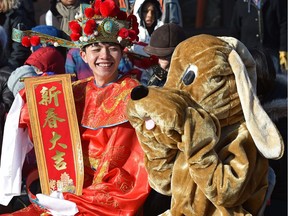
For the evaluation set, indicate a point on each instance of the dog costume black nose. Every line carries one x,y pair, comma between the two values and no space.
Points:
139,92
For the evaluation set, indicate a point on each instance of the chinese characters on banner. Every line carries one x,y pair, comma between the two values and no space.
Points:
55,133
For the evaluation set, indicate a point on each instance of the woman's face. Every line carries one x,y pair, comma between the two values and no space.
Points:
149,14
103,59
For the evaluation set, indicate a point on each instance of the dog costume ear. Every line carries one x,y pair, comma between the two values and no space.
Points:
263,131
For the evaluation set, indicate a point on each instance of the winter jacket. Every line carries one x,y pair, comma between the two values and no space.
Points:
15,52
275,104
265,27
47,59
6,100
172,12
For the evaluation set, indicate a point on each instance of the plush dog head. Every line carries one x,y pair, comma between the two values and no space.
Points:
218,73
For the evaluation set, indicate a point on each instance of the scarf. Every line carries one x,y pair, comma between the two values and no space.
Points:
68,13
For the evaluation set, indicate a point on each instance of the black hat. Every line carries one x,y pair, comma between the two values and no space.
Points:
164,40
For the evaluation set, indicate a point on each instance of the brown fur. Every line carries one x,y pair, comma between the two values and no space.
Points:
200,150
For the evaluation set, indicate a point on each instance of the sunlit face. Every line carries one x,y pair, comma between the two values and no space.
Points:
103,59
69,2
149,14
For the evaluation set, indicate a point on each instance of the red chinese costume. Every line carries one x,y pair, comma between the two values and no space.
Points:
115,181
115,178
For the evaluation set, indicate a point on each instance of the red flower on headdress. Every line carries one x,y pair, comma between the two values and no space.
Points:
89,12
75,26
133,35
35,40
75,36
134,24
108,8
90,27
26,41
132,18
96,7
123,33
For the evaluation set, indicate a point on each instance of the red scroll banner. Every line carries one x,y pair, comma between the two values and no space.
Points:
55,133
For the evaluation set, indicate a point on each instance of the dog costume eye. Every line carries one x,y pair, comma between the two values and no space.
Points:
190,74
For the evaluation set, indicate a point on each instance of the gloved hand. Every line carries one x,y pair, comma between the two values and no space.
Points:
14,84
57,205
283,60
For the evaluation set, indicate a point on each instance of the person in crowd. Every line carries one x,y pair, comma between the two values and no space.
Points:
61,12
44,61
28,7
272,92
172,12
6,100
149,18
75,65
13,16
155,66
6,95
262,23
115,178
162,44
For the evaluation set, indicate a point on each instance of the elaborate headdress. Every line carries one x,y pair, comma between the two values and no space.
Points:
102,21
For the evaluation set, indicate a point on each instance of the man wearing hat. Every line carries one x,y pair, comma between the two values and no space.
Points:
115,179
162,44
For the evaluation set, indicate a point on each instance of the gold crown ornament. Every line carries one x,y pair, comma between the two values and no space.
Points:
100,21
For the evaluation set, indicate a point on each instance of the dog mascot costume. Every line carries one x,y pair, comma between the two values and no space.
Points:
206,138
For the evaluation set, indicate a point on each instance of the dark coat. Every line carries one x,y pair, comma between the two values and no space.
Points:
6,99
265,27
15,52
275,103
